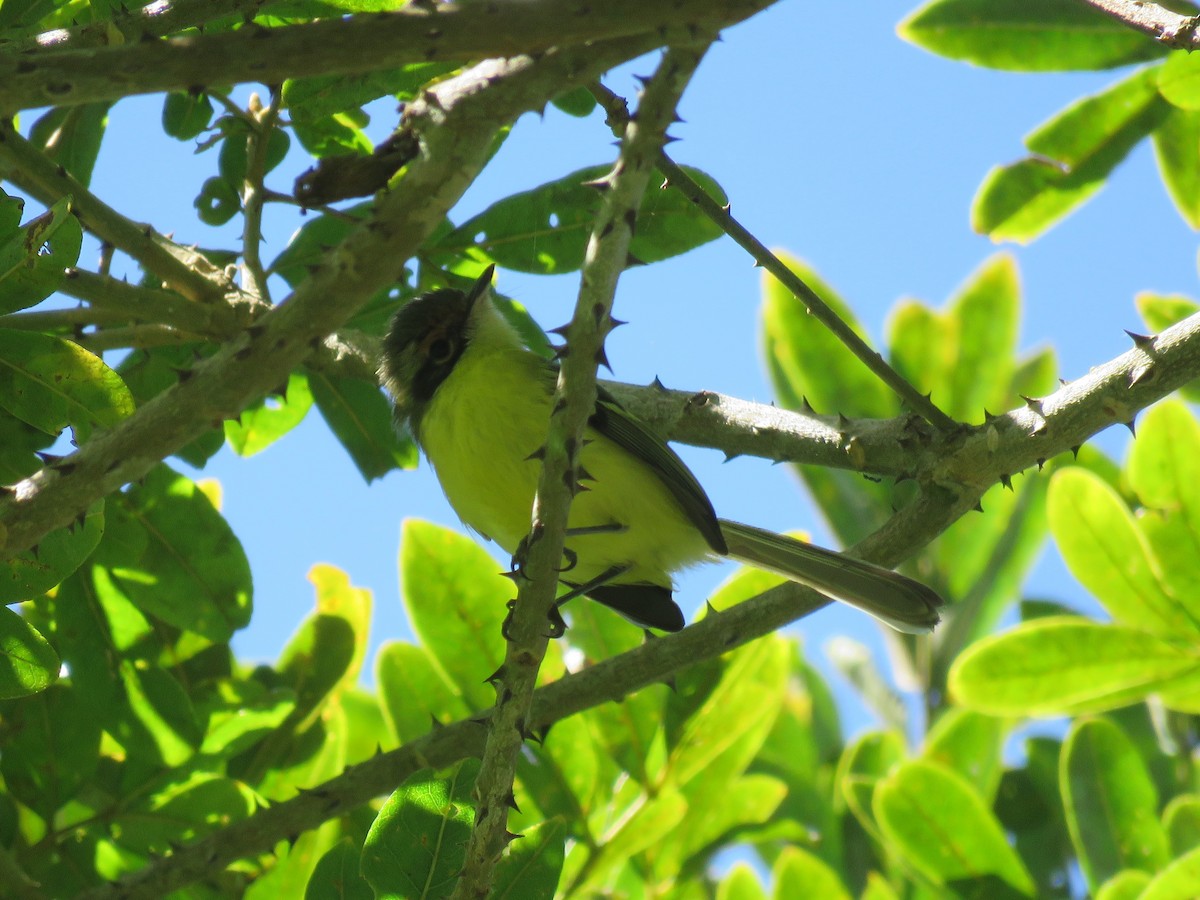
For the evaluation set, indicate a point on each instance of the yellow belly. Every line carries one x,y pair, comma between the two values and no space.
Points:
489,415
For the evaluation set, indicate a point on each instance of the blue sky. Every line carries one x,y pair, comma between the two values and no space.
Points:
834,140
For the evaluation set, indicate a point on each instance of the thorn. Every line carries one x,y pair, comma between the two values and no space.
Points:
1142,373
669,681
539,453
583,474
658,385
1041,463
1132,426
509,837
808,407
496,677
562,351
1006,481
1141,341
614,322
600,184
1075,450
842,422
729,456
511,800
434,724
602,359
978,506
643,80
561,330
727,209
1033,403
988,416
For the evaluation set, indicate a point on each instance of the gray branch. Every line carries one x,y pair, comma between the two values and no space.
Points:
448,32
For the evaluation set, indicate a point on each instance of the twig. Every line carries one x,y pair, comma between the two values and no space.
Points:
418,32
133,336
574,404
1166,27
148,304
39,176
618,112
263,123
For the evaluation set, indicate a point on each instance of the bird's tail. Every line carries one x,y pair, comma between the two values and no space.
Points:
894,599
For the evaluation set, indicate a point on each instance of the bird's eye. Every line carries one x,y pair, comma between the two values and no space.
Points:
441,350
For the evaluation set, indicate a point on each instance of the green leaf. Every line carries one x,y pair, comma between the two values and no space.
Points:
578,102
236,729
1074,154
650,824
943,828
170,553
1125,885
57,555
361,417
159,724
334,134
51,383
545,231
1046,36
740,883
185,116
862,765
337,877
71,136
1179,81
456,602
1177,148
185,809
1177,881
1104,548
1111,803
749,692
33,259
261,425
316,660
52,749
413,692
217,202
1181,819
964,355
1163,470
1065,665
798,873
28,664
968,743
417,844
232,159
533,864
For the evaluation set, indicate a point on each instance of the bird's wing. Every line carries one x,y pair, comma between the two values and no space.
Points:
627,431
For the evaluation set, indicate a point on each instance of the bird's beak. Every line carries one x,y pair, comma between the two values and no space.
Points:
481,287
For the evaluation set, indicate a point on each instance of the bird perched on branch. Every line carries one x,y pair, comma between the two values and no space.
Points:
478,403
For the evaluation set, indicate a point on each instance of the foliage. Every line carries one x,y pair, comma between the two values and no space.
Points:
129,729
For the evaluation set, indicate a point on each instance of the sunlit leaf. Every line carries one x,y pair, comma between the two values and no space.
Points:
1111,804
1104,548
1046,36
418,842
456,601
1062,665
944,828
51,383
28,664
1074,154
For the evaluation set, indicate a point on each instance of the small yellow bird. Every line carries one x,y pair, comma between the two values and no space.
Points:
478,401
